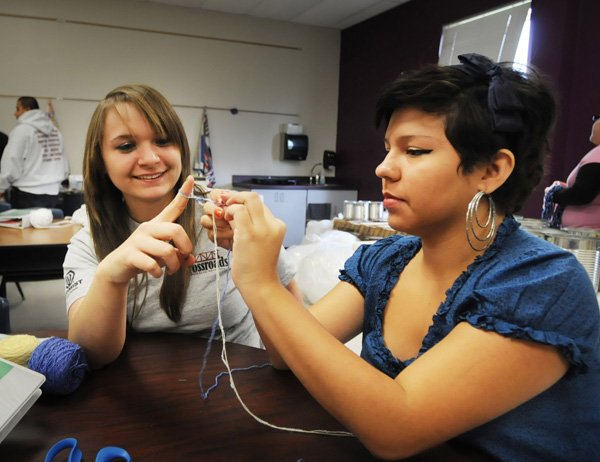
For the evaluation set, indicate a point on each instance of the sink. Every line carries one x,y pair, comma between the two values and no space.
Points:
287,181
296,182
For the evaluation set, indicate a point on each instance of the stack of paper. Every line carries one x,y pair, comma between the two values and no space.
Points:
19,389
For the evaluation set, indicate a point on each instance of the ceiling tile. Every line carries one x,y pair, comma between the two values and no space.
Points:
337,14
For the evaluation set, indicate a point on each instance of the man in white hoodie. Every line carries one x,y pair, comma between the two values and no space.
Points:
34,163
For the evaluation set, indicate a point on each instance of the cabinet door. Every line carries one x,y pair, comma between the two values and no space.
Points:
334,197
289,205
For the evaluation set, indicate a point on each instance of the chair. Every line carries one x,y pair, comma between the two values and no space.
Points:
4,316
57,214
71,201
318,212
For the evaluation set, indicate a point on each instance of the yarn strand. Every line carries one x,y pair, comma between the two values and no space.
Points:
225,360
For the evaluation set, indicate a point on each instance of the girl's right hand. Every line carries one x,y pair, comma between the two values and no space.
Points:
153,245
213,218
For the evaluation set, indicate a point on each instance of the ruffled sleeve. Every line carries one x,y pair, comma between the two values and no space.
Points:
353,269
542,294
375,261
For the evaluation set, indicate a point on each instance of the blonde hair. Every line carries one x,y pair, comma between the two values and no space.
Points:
108,214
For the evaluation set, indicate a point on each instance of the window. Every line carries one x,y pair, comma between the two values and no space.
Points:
501,34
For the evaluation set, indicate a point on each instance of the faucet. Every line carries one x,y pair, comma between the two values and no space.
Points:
319,178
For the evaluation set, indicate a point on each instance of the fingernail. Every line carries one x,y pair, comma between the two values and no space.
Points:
219,212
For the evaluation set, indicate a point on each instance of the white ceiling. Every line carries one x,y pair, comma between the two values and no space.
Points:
337,14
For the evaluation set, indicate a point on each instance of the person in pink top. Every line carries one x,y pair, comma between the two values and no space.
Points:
581,194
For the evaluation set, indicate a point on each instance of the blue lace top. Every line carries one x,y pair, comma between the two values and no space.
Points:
521,287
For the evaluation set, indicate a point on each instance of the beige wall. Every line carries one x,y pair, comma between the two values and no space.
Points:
67,59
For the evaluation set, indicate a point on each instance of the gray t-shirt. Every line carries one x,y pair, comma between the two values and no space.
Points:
200,305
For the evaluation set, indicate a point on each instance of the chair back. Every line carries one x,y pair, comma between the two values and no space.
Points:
57,214
4,316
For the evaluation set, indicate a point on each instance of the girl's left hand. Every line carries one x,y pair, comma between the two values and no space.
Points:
257,239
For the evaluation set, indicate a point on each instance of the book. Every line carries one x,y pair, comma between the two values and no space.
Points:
19,389
16,218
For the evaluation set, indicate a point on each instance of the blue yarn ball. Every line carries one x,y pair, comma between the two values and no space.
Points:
550,212
62,362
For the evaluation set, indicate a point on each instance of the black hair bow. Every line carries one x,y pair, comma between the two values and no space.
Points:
503,101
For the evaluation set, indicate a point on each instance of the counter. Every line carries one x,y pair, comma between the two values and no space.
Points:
285,182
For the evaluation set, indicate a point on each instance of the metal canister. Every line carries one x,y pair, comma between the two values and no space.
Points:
349,210
376,211
361,210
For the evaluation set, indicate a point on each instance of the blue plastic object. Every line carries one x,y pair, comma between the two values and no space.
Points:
74,455
106,454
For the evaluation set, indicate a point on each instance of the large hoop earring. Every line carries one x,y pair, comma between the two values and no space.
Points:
474,227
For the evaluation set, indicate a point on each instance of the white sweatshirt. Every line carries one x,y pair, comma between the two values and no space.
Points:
34,160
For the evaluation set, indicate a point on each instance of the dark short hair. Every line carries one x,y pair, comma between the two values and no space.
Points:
462,99
28,102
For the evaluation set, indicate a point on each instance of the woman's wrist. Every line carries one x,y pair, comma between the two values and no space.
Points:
260,290
105,275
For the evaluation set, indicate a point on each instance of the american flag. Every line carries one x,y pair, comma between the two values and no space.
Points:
205,154
50,113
